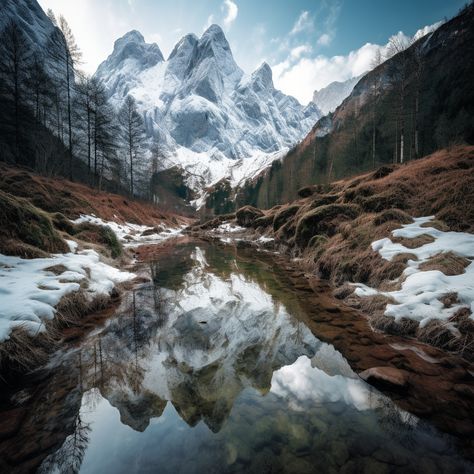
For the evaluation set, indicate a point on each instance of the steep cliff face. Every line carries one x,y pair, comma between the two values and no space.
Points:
425,102
210,119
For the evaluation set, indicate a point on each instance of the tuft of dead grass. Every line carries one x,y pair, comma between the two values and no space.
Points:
284,215
23,223
323,220
448,263
396,215
415,242
98,234
23,352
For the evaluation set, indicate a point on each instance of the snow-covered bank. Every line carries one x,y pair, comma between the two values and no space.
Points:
420,294
131,235
30,289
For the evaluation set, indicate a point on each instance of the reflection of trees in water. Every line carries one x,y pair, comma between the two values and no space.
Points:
68,458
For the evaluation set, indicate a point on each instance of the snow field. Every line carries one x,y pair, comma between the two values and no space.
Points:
421,291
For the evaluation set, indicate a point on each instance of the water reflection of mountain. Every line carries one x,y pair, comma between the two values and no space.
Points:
197,343
214,339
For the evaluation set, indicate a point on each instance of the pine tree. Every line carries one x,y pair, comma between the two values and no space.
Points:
14,61
64,50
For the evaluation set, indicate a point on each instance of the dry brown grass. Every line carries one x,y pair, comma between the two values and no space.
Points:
415,242
447,263
436,224
72,199
23,352
23,223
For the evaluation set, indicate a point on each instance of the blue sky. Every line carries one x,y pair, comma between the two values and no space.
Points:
308,43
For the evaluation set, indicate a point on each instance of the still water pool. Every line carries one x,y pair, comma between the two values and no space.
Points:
211,369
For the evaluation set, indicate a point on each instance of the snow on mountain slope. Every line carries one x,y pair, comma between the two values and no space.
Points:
206,115
32,20
331,96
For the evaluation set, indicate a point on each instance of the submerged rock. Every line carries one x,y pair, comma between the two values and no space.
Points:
385,375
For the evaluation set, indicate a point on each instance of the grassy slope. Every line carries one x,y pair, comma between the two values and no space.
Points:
332,228
35,211
35,215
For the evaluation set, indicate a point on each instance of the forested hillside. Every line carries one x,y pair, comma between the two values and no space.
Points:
418,101
55,119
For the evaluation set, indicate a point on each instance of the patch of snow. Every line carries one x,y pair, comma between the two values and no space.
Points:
420,294
264,239
29,291
228,227
131,234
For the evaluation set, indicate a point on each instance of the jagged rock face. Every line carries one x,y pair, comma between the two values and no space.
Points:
330,97
32,20
204,111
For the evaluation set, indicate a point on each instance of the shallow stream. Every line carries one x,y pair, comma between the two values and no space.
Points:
211,369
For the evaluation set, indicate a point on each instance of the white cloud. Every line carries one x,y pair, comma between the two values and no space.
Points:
298,51
231,10
303,23
324,39
154,38
301,76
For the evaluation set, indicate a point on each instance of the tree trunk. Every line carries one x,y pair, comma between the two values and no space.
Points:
69,113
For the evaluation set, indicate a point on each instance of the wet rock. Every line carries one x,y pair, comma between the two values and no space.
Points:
463,389
386,376
10,422
371,466
339,452
395,455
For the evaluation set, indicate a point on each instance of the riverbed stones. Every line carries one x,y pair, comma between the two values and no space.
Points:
385,375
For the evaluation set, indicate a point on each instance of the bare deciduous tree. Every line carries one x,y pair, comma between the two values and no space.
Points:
132,130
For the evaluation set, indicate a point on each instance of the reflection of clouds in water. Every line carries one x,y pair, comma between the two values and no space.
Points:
303,384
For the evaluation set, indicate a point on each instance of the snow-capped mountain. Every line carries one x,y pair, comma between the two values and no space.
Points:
206,115
330,97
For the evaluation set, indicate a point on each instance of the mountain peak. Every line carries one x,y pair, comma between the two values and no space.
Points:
186,43
133,36
263,76
131,47
214,31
